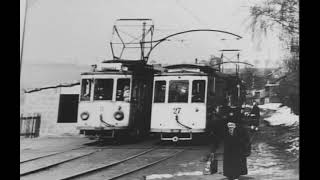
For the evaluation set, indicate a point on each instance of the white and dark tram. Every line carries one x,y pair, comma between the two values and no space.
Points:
186,98
115,99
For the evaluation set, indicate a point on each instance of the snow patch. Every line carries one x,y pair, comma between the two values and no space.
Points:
282,116
294,146
158,176
268,164
187,164
270,106
161,176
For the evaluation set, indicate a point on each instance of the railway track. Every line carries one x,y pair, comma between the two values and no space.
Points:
44,162
145,166
108,169
106,172
50,154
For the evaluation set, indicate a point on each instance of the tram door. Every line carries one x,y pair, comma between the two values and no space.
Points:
139,104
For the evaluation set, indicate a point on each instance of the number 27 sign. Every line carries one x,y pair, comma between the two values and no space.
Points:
176,110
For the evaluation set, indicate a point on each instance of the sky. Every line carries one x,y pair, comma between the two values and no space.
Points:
79,31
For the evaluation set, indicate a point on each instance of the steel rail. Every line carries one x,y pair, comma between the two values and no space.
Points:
106,166
147,165
55,164
47,155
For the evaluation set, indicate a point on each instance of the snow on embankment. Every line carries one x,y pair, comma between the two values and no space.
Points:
282,116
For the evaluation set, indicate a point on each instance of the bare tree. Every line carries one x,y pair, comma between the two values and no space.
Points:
285,15
275,12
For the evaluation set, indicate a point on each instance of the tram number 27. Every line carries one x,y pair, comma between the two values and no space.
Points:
176,110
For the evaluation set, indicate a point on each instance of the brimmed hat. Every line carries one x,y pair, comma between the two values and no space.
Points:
232,117
233,120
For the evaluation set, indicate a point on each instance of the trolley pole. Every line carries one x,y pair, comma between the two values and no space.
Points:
142,40
23,34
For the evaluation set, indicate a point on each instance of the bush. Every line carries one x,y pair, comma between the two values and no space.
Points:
289,92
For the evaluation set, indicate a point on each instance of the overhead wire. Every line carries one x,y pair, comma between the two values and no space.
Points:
190,13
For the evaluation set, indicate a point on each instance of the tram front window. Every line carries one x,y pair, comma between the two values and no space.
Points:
103,89
85,90
123,90
160,91
178,91
198,89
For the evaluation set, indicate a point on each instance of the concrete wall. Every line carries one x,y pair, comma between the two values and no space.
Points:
46,102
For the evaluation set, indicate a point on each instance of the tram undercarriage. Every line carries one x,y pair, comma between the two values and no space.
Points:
116,134
176,135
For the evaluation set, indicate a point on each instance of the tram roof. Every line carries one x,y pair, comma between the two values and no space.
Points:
194,69
201,66
131,66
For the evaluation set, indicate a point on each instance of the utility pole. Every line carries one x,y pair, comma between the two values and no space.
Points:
238,65
221,62
23,34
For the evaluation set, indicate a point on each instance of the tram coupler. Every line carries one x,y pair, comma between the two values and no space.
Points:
104,136
175,138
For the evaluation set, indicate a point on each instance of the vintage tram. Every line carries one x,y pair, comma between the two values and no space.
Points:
186,98
115,99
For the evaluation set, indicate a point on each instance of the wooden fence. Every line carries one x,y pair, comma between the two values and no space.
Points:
30,125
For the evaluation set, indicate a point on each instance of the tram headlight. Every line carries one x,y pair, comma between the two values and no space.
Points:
85,115
118,115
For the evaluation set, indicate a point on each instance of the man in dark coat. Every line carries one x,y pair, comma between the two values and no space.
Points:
256,112
236,143
219,124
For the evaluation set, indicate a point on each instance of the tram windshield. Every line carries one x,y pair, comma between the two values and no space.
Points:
123,90
198,91
160,91
85,89
178,91
103,89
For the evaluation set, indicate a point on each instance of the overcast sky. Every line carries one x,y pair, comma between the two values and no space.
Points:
79,31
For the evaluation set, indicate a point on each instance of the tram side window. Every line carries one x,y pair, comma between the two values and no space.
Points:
85,89
198,91
160,91
123,90
178,91
103,89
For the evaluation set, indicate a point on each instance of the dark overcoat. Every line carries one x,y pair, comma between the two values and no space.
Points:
234,159
256,111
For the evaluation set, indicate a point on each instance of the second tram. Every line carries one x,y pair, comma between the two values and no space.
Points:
186,96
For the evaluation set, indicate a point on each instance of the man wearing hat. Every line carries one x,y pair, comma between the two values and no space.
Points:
236,140
236,144
255,113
